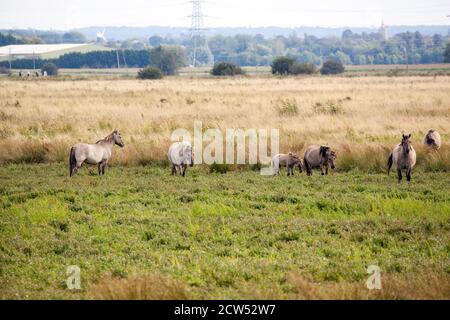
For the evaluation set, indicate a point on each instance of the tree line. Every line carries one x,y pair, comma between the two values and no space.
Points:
249,50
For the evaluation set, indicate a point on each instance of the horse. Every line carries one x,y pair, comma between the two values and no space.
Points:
180,154
289,161
404,157
97,153
432,139
319,157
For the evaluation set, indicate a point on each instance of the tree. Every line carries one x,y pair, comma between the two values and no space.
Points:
50,68
155,40
73,37
332,67
168,58
347,34
447,53
225,69
281,65
150,73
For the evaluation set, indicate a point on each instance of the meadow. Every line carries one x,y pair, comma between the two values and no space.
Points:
139,233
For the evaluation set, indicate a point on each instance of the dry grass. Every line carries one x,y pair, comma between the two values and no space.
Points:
428,286
361,117
154,287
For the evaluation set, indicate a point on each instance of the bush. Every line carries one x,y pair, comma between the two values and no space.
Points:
447,53
219,168
226,69
302,68
51,68
150,73
332,67
282,65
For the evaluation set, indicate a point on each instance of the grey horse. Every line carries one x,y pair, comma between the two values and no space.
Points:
319,157
181,154
404,157
432,139
289,161
97,153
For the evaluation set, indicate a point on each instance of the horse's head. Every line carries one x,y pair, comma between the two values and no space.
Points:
331,157
298,162
406,143
118,138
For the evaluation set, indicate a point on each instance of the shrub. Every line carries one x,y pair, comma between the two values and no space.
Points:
332,67
51,68
150,73
302,68
282,65
288,108
226,69
219,168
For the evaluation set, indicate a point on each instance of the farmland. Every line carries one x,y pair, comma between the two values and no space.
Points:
139,233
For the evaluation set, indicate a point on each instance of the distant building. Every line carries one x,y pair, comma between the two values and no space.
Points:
45,51
383,31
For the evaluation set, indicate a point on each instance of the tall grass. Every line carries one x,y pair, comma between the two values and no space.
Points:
362,118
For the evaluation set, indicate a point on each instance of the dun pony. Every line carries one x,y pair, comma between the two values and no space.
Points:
97,153
404,157
432,139
319,157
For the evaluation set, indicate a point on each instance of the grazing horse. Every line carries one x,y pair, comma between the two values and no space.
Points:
319,157
289,161
404,157
97,153
181,154
432,139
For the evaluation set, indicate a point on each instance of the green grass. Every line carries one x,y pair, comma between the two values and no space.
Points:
234,235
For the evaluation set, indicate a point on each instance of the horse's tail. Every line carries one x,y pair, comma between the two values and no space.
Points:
307,165
72,161
390,162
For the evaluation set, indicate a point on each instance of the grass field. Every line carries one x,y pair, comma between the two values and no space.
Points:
139,233
350,70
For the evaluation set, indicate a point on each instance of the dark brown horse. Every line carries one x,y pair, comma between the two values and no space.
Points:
319,157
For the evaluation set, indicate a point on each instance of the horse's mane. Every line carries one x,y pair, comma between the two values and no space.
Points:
108,138
323,150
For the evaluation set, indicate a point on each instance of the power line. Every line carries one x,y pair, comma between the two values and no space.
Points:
199,42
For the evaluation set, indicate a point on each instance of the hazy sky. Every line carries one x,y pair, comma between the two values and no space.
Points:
55,14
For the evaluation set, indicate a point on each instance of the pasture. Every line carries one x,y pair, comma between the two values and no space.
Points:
138,232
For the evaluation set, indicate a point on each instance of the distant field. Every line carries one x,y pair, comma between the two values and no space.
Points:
362,70
361,117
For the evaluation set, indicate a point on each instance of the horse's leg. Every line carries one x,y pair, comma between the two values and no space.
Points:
78,165
321,169
399,173
99,166
326,170
174,170
184,166
408,175
104,166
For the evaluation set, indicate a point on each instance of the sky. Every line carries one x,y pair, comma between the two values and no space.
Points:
66,15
